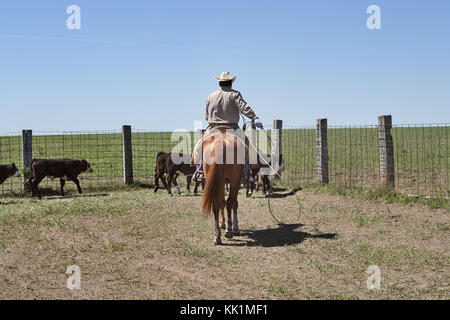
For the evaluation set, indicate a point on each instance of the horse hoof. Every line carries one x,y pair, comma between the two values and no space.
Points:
228,235
237,233
217,241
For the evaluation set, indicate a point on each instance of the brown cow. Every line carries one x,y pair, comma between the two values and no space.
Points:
8,171
64,169
166,169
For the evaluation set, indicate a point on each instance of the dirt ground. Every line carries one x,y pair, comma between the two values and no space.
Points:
141,245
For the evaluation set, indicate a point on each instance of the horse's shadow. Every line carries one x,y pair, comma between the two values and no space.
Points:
285,234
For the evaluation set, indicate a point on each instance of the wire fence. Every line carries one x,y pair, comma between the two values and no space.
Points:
299,153
146,146
421,158
103,149
11,152
354,155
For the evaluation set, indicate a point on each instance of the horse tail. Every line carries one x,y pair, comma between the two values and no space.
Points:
214,189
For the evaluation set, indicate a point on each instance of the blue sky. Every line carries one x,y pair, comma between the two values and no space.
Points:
151,63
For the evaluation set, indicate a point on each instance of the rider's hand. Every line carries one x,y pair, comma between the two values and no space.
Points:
258,123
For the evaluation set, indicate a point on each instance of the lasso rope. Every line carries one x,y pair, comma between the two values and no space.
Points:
275,173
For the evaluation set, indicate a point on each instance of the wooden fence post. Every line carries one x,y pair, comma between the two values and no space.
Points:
322,150
27,154
277,139
127,155
386,145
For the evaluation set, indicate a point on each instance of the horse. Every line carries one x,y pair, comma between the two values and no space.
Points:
217,172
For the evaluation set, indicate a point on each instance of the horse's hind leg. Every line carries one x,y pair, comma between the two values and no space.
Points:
230,203
232,227
236,231
229,233
222,219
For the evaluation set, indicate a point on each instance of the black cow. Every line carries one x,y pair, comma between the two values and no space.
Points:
64,169
8,171
256,172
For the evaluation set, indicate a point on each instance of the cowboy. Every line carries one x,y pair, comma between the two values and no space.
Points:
222,109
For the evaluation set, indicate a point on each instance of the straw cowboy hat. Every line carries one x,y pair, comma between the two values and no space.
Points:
225,76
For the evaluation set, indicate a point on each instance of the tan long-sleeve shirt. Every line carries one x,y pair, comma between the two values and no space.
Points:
225,105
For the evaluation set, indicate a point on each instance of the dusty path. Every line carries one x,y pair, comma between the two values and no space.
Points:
138,245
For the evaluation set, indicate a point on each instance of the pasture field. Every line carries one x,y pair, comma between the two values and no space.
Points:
135,244
420,153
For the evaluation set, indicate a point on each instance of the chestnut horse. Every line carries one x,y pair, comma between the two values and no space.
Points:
217,172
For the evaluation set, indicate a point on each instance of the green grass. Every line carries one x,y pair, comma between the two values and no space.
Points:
136,244
378,194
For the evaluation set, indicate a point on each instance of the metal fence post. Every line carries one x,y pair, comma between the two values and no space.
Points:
127,155
386,145
322,150
277,139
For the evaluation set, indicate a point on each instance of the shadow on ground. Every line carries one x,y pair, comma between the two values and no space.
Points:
69,196
7,203
278,194
286,194
284,234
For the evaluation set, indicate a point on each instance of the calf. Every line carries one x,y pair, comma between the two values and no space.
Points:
64,169
160,170
265,181
8,171
166,169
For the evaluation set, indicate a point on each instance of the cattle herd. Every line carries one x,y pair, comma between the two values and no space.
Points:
166,171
